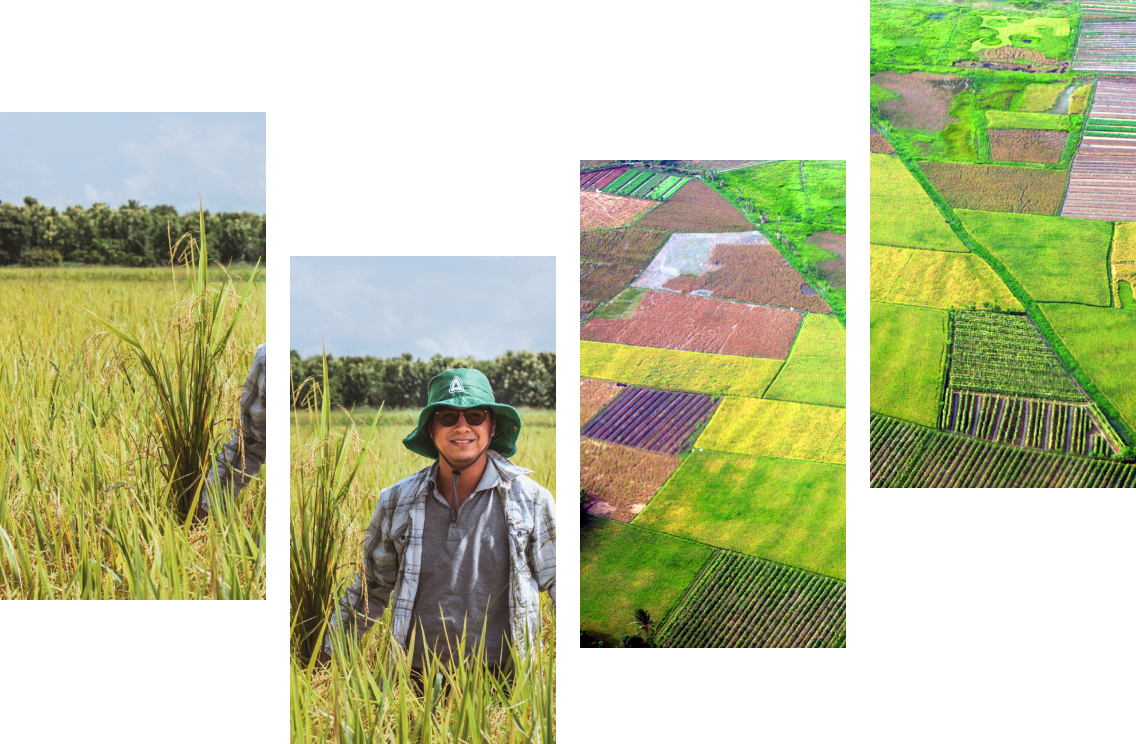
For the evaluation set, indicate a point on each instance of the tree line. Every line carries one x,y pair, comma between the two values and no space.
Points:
132,235
518,378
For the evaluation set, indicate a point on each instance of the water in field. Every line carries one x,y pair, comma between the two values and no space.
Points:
1062,105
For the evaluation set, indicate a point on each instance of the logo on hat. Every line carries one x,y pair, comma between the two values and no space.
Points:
456,385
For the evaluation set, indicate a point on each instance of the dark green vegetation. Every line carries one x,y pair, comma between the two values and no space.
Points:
132,235
518,378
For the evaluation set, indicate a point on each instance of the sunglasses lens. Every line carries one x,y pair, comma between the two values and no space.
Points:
450,418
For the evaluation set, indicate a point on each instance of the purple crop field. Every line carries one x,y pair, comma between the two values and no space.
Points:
654,420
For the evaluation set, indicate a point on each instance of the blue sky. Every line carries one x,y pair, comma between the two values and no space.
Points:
454,306
64,159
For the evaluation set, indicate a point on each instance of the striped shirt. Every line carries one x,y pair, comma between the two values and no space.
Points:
242,456
392,556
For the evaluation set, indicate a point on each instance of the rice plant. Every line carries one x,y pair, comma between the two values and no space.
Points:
184,380
84,497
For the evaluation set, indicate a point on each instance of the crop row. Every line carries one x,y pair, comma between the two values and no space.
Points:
740,601
1070,428
1003,353
645,184
599,179
1111,128
911,456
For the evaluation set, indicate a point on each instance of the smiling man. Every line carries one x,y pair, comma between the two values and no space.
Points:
464,544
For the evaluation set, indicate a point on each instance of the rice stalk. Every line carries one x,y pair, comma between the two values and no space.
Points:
317,530
185,381
368,694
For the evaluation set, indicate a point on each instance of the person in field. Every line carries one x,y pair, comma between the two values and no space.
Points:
242,456
467,543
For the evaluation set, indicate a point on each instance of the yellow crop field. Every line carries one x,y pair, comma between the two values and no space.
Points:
936,279
903,214
86,507
678,370
1123,257
815,369
776,428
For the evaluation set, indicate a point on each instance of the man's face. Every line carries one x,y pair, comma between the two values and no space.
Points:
461,442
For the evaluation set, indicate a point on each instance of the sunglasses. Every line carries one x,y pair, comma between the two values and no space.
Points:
472,417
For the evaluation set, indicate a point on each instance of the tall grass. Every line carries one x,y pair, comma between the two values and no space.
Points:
83,499
183,374
323,472
361,696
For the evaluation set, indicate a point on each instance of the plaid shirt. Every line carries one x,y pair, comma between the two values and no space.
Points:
237,462
392,555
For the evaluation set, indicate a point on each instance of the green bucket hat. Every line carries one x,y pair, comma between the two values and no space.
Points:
464,388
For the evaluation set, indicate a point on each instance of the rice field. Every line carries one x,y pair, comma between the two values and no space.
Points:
84,508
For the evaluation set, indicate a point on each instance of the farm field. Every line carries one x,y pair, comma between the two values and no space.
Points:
83,514
728,295
1007,363
604,210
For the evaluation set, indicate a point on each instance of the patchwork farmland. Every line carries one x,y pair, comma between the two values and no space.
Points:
710,317
1003,211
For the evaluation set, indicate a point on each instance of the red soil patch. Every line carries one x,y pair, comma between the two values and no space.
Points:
834,270
695,208
594,395
925,99
621,479
1027,145
665,320
607,210
611,259
755,273
881,146
601,282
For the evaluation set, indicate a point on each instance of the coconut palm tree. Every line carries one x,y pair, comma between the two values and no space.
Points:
642,619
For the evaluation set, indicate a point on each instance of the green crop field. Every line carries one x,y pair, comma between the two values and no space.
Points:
1026,120
909,350
815,369
776,428
902,213
936,279
678,370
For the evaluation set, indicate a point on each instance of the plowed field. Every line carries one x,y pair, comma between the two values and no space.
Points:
594,395
611,259
604,210
997,188
655,420
695,208
924,102
1027,145
620,479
